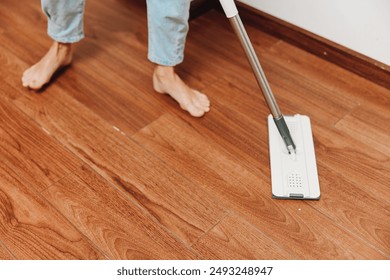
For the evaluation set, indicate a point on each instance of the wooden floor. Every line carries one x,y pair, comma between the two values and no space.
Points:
99,166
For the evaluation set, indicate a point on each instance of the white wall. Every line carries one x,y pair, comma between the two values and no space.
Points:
360,25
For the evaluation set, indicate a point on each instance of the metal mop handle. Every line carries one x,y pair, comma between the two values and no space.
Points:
232,14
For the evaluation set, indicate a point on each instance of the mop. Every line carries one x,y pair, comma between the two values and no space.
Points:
292,157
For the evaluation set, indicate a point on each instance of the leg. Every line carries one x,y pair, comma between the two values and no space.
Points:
168,27
65,26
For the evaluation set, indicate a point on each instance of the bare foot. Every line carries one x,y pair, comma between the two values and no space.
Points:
165,80
59,55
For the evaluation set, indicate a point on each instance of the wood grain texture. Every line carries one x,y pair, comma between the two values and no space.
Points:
370,126
11,67
4,253
353,89
355,208
296,94
174,201
355,161
32,229
121,230
27,149
304,231
234,238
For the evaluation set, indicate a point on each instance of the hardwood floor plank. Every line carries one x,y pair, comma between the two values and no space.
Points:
174,201
294,225
8,92
125,109
10,68
20,17
32,229
354,161
371,126
116,226
30,151
356,208
233,238
352,87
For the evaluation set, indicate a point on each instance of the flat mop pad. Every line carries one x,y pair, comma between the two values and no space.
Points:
293,175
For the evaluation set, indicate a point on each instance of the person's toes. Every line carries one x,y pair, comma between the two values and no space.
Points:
206,103
201,100
26,75
25,81
202,95
193,110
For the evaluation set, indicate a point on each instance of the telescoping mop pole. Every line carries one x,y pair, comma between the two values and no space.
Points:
231,12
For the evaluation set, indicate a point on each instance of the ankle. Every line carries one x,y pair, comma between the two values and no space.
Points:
63,53
63,48
164,72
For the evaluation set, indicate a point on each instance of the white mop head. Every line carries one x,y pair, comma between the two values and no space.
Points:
294,176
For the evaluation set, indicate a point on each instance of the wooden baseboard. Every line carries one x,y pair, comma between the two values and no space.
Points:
199,7
357,63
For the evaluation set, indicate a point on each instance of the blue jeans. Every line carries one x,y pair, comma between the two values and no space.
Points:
167,26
